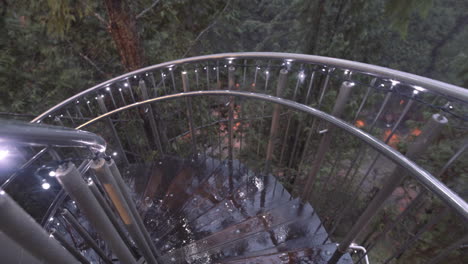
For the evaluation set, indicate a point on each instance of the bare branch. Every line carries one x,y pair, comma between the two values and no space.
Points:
206,29
147,9
99,17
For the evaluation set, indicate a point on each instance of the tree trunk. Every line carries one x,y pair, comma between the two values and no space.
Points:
123,29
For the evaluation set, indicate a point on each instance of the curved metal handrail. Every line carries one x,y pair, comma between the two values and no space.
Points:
453,91
426,178
45,135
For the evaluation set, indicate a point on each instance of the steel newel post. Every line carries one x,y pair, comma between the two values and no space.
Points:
85,235
104,174
23,229
338,108
430,131
103,108
282,79
152,121
128,198
68,247
73,183
186,88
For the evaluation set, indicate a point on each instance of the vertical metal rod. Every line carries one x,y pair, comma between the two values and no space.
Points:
171,70
457,244
431,130
103,108
309,89
131,90
68,247
188,100
163,80
282,79
348,206
152,121
267,78
72,181
85,235
231,86
410,242
324,145
110,214
312,128
108,89
128,198
24,230
105,176
122,97
288,123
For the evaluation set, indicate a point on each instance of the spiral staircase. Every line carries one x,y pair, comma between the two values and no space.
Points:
240,158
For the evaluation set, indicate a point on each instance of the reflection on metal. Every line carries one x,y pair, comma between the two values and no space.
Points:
103,108
381,72
73,183
430,132
186,88
69,247
151,117
110,214
25,134
448,196
108,180
280,87
338,108
360,248
128,198
21,228
85,235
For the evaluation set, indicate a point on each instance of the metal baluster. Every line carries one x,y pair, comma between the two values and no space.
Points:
152,121
20,227
231,85
410,242
108,89
356,192
77,108
431,130
241,110
103,107
281,85
25,165
312,128
288,123
129,86
107,209
309,89
189,111
171,70
163,80
68,247
72,181
267,77
85,235
109,181
324,145
415,202
131,204
70,117
122,97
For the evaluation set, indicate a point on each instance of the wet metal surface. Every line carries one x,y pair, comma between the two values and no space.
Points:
195,216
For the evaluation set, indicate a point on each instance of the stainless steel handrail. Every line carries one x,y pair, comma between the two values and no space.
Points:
424,177
453,91
13,132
